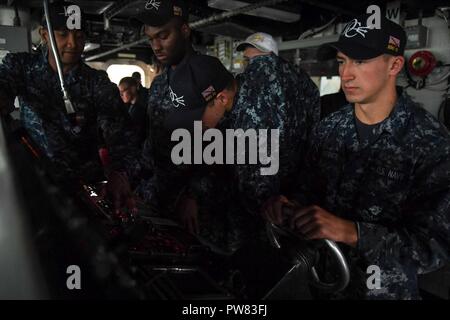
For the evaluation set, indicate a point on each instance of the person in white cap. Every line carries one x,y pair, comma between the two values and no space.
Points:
258,44
270,94
224,202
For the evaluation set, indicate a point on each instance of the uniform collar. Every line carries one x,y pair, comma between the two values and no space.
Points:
189,52
395,125
262,58
398,120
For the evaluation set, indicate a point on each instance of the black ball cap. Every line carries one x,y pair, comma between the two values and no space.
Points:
194,83
156,13
60,13
360,40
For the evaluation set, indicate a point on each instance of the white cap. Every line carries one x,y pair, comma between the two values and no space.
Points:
261,41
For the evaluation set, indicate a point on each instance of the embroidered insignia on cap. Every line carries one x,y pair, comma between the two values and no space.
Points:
394,44
209,93
258,38
152,4
353,28
177,11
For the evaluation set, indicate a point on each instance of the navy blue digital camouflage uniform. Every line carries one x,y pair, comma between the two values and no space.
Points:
161,180
397,190
271,95
73,151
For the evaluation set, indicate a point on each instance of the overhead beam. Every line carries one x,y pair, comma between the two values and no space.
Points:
306,43
332,8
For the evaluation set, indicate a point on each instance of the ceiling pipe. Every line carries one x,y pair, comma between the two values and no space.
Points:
331,8
193,25
232,13
123,47
117,8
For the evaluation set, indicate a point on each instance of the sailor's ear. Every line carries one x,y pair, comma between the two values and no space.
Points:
396,65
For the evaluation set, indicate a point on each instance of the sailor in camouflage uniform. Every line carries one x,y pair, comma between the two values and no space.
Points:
162,182
73,149
272,94
377,177
289,101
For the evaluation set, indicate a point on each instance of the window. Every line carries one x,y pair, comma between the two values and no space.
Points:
118,71
329,85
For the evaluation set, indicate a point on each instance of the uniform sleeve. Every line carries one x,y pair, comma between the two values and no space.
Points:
421,239
264,106
12,79
115,124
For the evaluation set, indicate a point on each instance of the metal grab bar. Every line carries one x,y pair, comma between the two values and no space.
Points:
67,103
273,232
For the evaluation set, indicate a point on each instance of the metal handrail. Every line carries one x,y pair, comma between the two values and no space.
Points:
67,103
273,231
